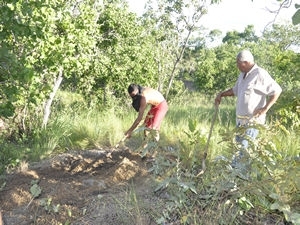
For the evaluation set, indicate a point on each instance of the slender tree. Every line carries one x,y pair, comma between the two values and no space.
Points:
179,20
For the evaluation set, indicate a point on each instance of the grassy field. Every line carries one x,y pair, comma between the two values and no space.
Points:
270,189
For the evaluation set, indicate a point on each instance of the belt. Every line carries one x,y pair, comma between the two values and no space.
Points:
243,117
242,120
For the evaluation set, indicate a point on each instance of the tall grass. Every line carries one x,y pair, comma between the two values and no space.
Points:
220,195
74,125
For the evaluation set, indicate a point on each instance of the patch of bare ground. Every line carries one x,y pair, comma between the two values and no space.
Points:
83,187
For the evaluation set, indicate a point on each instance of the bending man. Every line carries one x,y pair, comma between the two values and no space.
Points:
142,96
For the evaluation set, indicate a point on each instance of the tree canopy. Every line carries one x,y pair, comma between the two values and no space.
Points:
97,49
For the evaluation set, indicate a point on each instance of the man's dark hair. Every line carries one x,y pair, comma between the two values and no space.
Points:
134,87
137,98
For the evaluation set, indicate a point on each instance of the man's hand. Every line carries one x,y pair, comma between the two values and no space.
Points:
259,112
128,134
229,92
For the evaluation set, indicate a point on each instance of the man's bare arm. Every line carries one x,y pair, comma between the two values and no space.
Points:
226,93
137,121
270,103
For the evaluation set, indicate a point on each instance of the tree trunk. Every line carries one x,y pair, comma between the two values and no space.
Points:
178,58
47,109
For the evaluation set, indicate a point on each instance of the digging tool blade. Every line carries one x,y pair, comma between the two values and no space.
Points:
108,155
121,141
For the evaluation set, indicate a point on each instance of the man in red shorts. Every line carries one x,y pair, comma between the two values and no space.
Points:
142,96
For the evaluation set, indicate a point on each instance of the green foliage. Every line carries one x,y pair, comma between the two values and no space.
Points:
35,36
237,38
11,155
48,205
35,189
245,203
283,36
288,109
290,216
272,184
281,166
222,195
125,54
192,149
101,48
215,69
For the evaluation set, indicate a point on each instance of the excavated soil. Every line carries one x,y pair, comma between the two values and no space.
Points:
92,187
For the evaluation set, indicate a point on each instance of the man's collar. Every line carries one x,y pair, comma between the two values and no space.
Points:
252,68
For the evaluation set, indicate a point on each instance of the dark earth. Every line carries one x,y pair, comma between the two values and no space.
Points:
111,186
94,187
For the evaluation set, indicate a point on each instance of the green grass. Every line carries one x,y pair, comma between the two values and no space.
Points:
273,187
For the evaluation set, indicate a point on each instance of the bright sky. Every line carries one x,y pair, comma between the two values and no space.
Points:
236,14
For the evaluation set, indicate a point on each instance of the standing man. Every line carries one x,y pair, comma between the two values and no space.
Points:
141,97
256,92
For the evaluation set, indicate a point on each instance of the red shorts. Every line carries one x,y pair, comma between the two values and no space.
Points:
155,115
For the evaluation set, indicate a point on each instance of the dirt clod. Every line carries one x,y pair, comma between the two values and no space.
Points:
83,187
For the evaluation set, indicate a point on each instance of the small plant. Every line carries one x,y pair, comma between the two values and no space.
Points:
150,144
48,206
35,190
190,152
244,203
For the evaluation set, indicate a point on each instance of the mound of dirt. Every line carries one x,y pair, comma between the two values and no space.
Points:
83,187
